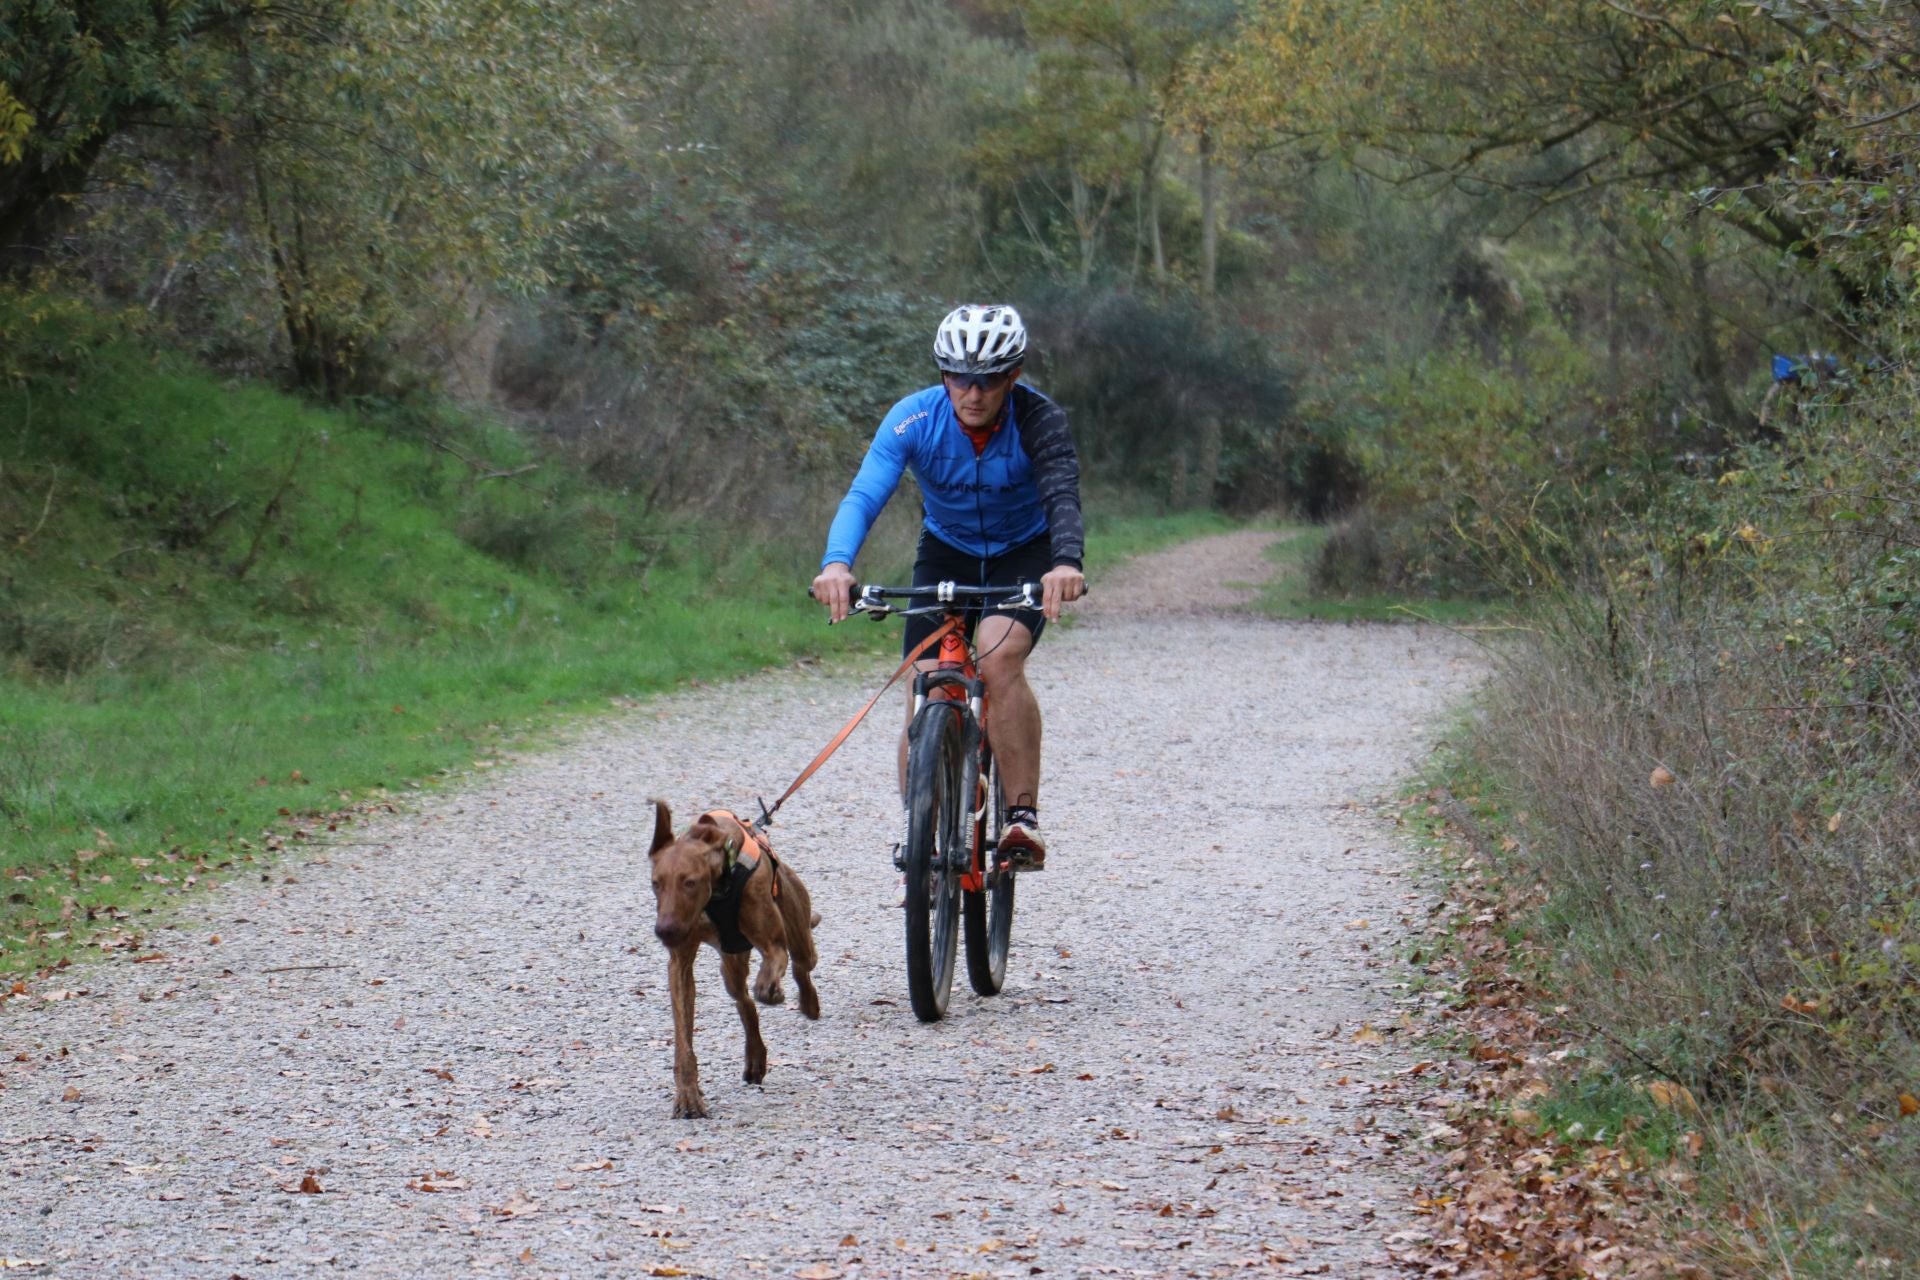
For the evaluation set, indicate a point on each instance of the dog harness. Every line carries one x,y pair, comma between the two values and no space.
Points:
744,853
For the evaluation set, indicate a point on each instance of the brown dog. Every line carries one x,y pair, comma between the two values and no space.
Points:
720,884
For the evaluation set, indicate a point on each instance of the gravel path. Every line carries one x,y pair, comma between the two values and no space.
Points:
472,1068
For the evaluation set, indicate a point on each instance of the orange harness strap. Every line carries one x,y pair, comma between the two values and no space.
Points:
939,633
751,847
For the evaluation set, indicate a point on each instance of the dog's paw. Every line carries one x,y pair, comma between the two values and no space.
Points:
775,994
689,1106
809,1003
756,1067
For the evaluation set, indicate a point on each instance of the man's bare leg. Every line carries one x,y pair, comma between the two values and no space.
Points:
1013,713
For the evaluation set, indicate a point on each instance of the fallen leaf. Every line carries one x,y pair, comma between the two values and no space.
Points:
1909,1105
1674,1097
438,1182
517,1206
310,1185
71,1095
1367,1035
819,1271
1661,777
593,1166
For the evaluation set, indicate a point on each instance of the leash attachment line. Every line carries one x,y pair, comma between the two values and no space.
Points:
939,632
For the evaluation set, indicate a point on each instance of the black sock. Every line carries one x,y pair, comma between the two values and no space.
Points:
1023,813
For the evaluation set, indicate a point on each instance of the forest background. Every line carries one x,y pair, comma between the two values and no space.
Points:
373,373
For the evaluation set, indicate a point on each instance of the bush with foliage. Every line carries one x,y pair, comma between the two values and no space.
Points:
1717,744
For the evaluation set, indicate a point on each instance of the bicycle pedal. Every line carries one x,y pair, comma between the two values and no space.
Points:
899,856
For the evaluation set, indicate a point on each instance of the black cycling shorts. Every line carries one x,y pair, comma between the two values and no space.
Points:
936,561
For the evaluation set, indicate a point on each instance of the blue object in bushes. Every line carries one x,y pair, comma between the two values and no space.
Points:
1789,368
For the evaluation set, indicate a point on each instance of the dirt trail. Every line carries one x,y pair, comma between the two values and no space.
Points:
472,1061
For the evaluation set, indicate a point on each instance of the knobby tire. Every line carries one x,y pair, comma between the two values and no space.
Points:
989,912
934,826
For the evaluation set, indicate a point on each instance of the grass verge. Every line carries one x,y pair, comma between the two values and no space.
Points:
1556,1159
1292,593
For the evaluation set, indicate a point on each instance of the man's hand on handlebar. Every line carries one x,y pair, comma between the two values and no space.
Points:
834,589
1059,585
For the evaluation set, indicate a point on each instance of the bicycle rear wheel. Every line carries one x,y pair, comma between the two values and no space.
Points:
989,912
934,830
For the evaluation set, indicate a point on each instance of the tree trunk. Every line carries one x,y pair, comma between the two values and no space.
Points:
1146,205
1209,229
1730,422
1153,229
1206,462
35,203
1086,226
1139,229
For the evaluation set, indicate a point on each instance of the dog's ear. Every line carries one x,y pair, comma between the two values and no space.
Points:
662,827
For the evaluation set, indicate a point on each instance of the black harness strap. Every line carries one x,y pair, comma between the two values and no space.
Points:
723,908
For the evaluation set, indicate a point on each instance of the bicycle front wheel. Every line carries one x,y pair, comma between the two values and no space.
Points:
934,835
989,913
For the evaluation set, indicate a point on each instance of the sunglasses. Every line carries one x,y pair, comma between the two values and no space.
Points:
978,381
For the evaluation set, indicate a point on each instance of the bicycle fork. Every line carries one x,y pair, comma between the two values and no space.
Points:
966,857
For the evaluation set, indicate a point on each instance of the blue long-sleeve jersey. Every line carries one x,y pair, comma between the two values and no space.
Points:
1026,482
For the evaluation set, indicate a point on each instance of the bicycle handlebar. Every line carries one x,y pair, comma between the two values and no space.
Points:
874,599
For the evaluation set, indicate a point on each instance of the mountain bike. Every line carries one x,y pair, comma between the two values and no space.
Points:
954,808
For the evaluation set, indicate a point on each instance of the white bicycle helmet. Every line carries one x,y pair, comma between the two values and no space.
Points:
980,339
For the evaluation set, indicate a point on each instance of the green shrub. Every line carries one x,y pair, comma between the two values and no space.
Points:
1158,403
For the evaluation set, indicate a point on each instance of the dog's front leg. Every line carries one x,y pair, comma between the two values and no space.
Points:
687,1102
733,968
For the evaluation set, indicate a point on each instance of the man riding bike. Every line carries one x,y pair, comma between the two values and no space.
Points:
1001,486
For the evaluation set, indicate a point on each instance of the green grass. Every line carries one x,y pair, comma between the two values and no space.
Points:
1290,594
1601,1106
1117,532
225,615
